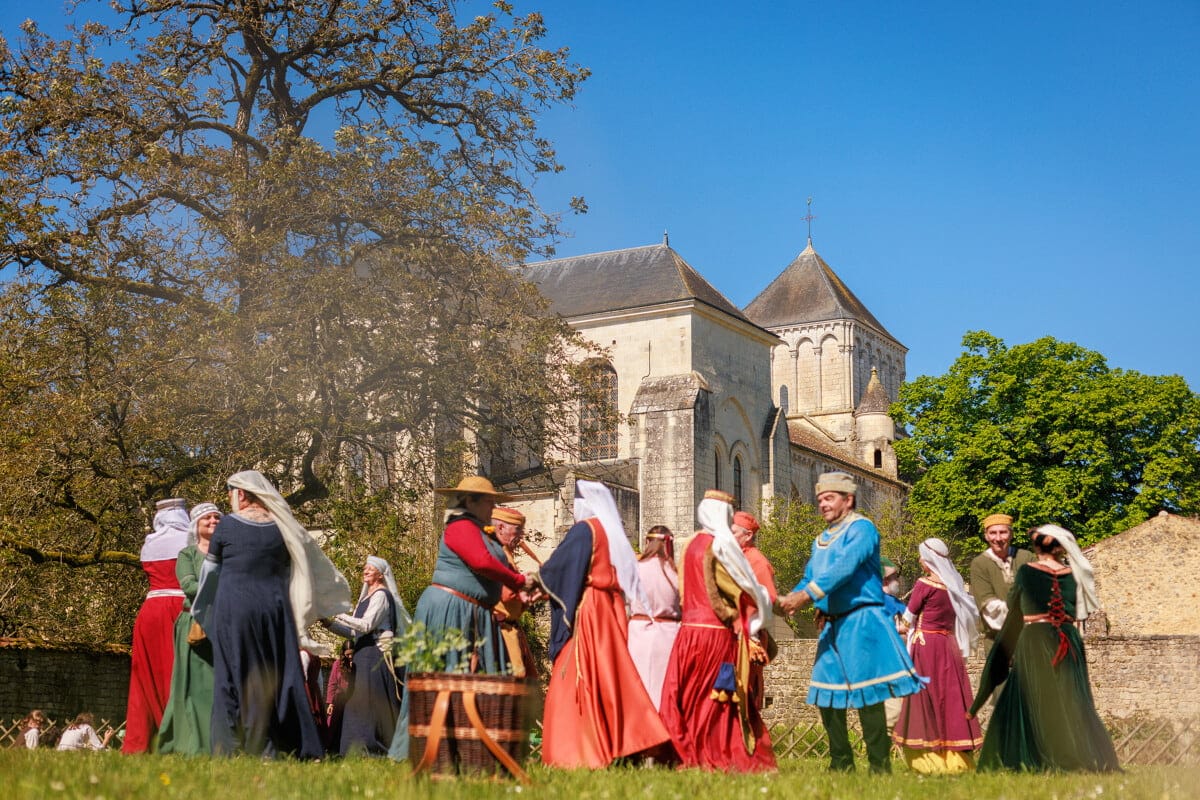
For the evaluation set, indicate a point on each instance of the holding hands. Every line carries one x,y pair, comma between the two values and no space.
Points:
794,602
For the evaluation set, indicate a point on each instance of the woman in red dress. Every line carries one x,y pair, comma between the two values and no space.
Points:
708,702
153,654
597,709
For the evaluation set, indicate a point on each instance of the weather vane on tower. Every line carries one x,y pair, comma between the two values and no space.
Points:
808,217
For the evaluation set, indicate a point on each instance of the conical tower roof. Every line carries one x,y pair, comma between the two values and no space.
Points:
808,290
623,279
874,398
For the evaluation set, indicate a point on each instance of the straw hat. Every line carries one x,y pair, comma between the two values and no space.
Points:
476,484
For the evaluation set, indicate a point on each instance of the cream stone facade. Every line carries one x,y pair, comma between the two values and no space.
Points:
756,402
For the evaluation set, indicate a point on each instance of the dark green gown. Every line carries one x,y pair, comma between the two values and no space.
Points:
1045,718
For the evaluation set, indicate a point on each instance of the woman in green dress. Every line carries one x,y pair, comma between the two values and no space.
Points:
187,719
1045,718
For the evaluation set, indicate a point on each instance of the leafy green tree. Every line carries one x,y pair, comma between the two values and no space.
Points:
1047,432
275,235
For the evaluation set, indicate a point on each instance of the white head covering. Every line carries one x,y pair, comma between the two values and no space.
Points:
715,517
593,499
198,511
936,555
317,588
1086,600
400,623
170,534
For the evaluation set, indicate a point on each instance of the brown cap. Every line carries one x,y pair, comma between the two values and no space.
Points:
837,482
509,515
996,519
717,494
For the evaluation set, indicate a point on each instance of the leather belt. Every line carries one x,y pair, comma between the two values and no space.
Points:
458,594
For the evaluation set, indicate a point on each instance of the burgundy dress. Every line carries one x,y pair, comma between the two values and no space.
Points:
935,719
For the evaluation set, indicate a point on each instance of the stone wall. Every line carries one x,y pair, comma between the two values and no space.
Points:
63,680
1131,676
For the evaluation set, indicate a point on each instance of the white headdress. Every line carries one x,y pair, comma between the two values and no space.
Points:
1086,600
170,534
198,511
715,516
593,499
400,623
936,554
317,588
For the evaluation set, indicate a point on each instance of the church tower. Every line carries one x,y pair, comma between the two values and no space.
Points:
834,360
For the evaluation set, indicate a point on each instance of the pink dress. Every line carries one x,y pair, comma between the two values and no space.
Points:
652,631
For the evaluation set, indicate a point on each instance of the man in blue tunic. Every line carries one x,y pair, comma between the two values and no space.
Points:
860,661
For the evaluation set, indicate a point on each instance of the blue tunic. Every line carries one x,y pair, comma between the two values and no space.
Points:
860,661
259,702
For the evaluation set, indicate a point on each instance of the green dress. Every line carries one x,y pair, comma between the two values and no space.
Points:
1045,718
187,720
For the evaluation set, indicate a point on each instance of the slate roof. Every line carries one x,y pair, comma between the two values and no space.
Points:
623,279
808,290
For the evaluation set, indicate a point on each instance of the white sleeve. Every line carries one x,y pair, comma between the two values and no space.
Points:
31,738
93,740
995,611
373,616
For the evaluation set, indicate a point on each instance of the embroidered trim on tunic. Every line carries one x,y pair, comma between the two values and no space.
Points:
832,534
839,687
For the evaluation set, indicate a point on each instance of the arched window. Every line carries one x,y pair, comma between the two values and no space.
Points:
878,459
737,481
716,469
598,414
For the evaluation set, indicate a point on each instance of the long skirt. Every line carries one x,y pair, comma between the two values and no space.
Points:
934,721
372,706
151,663
1045,717
187,722
706,732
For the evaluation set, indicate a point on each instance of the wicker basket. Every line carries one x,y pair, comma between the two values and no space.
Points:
473,724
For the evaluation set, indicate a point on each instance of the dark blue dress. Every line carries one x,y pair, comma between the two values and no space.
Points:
259,703
369,721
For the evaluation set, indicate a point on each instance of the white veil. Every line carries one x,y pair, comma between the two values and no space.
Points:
715,516
317,588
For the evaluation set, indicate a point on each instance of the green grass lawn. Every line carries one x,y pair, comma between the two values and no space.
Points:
48,775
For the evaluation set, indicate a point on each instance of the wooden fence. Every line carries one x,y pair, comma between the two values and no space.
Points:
1138,741
9,732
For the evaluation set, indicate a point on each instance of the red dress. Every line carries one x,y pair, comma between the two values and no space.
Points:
706,732
153,656
597,709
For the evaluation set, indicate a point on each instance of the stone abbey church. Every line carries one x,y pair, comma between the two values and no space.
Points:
756,401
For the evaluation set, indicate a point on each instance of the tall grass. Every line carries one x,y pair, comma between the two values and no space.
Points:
48,775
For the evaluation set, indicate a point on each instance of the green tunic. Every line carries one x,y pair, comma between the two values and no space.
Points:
187,720
987,582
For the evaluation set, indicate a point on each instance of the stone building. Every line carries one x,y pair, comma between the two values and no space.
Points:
755,401
1146,577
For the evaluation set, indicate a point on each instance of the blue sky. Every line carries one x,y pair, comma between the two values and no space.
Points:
1025,168
1029,169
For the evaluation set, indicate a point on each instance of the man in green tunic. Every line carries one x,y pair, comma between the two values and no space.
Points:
992,573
